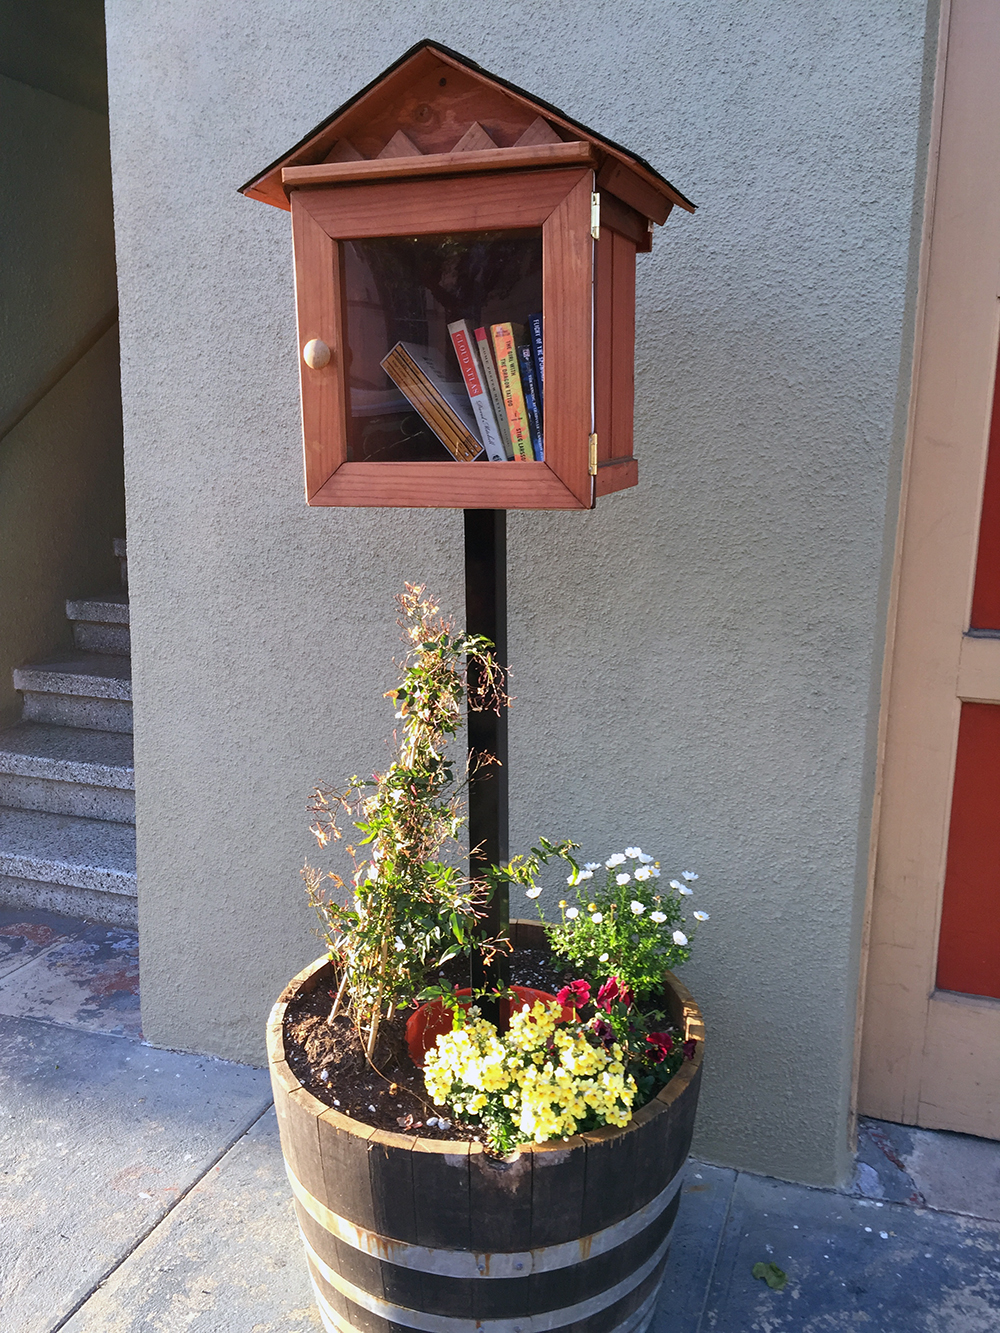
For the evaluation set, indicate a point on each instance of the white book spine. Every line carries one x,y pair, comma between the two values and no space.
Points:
472,373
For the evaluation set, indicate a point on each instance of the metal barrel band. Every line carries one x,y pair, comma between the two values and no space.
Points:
637,1322
463,1264
435,1323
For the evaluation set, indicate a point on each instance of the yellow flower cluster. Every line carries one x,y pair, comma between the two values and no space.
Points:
547,1075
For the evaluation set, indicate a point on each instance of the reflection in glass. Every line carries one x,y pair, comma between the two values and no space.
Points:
409,289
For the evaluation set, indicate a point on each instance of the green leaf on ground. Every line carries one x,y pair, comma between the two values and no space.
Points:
775,1278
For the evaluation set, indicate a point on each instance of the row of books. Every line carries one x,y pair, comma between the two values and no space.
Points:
497,403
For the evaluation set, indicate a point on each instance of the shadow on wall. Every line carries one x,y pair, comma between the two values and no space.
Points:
61,471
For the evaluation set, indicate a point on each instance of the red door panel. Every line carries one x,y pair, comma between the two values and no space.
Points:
969,947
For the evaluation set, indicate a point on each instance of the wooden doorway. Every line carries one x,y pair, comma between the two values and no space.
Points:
930,1046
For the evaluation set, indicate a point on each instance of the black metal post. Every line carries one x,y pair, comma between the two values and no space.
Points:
486,613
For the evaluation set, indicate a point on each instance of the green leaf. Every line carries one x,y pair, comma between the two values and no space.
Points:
775,1277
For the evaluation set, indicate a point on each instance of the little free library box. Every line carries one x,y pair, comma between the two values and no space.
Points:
465,287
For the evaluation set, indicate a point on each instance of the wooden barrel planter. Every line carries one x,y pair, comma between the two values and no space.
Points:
407,1233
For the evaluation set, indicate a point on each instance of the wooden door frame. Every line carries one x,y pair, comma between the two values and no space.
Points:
917,1054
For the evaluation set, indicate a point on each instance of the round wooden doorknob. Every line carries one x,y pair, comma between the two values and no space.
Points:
316,354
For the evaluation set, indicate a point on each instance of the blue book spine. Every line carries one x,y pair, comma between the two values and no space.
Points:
529,383
535,331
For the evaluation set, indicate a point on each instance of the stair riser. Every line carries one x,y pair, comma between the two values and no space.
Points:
67,798
110,909
93,638
77,710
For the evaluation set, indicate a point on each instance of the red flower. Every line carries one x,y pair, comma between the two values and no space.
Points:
662,1043
689,1048
612,991
575,995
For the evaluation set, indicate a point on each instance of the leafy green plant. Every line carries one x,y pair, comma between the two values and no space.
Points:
631,927
410,907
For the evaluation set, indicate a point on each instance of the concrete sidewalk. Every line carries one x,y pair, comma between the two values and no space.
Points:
144,1190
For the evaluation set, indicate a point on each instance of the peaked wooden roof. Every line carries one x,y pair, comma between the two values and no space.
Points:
435,104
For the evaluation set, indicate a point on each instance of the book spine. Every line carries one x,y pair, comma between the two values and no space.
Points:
435,412
513,394
530,387
538,352
468,360
493,385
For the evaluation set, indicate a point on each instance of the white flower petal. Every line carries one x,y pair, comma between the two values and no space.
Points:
680,937
637,908
658,917
622,879
533,893
645,859
586,874
633,852
597,918
641,873
701,916
688,875
654,871
615,860
572,913
592,865
603,958
686,892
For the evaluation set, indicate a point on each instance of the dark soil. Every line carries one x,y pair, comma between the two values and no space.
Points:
329,1061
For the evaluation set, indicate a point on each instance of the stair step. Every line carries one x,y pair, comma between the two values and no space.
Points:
65,770
100,624
111,609
88,690
91,854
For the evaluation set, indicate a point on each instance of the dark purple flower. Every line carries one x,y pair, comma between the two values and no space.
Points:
662,1044
603,1031
689,1048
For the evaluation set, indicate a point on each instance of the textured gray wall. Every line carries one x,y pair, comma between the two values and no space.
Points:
693,662
61,486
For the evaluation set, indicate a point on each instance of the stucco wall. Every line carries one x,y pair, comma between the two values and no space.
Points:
693,662
61,485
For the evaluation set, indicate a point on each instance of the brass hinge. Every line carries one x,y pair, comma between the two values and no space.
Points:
592,465
595,216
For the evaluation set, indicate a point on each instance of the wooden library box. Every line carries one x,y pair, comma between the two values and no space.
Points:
465,288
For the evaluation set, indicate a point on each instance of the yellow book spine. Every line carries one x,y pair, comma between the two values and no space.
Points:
505,346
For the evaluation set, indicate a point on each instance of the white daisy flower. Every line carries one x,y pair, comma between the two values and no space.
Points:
586,874
603,958
622,879
572,913
633,852
701,916
645,859
655,871
592,865
637,908
680,937
615,859
641,873
658,917
688,875
597,918
533,893
685,892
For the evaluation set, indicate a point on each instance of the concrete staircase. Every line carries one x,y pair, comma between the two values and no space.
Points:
67,788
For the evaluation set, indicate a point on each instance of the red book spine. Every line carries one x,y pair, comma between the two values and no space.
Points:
466,364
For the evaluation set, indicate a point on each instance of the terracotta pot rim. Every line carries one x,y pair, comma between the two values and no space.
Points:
693,1024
